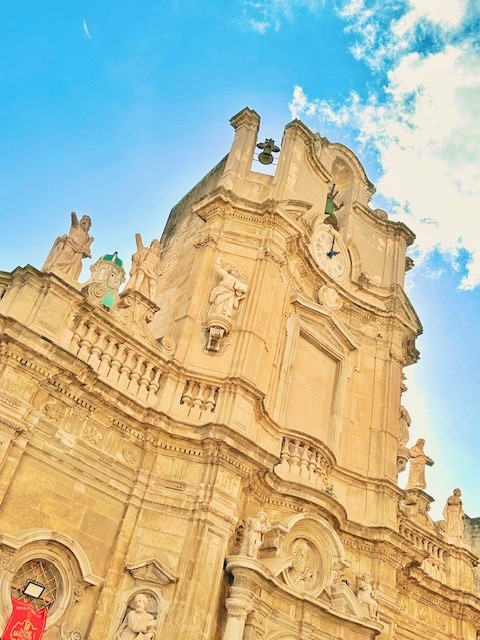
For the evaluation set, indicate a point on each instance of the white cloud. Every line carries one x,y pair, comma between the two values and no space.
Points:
85,29
423,124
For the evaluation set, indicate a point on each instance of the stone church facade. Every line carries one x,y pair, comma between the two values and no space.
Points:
214,452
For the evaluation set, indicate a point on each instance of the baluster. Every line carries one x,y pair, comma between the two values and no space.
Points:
154,386
86,342
187,397
304,461
198,399
96,350
136,374
295,456
107,356
145,381
75,341
126,368
312,467
117,360
210,401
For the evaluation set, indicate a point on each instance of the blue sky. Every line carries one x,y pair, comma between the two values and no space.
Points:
116,110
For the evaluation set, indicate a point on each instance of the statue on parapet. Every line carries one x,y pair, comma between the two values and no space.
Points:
418,461
66,255
453,514
145,268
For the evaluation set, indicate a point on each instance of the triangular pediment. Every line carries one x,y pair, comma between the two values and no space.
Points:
151,570
323,323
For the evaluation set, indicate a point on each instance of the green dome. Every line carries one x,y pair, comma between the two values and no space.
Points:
109,257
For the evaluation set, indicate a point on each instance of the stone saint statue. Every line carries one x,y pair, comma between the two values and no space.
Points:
145,268
138,623
66,255
418,461
453,514
366,595
253,539
404,423
224,298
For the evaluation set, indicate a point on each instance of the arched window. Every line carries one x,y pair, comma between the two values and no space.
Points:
39,572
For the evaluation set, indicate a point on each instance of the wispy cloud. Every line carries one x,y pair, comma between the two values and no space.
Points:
423,123
269,15
85,29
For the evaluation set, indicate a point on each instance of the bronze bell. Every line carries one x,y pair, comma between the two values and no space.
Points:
269,146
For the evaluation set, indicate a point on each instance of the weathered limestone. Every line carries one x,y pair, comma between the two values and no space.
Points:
215,453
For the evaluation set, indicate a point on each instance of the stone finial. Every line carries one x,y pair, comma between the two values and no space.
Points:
253,535
145,268
66,255
453,514
418,461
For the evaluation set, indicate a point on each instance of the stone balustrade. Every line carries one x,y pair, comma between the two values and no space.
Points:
301,461
117,361
434,564
199,397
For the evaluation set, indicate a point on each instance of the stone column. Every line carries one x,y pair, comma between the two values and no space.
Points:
238,605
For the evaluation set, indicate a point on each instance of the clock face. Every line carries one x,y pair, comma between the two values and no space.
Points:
330,253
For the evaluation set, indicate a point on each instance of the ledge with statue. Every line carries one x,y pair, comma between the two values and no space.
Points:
298,561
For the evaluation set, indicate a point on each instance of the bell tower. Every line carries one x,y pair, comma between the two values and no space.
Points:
293,286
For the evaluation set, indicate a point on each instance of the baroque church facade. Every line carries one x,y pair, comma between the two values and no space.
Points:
213,452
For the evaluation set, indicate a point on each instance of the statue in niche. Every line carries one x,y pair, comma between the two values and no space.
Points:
404,423
138,623
366,595
224,298
253,538
145,268
418,461
301,573
66,255
453,514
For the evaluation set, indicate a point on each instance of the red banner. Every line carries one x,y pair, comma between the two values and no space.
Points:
25,623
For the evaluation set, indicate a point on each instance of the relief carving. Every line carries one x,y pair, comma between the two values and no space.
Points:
329,298
54,412
302,573
91,434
